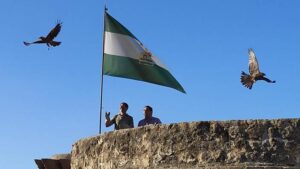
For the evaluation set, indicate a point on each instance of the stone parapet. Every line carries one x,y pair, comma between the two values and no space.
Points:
242,144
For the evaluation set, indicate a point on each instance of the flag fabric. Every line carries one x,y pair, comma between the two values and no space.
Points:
126,57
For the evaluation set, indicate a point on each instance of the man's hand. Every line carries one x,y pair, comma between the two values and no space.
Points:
107,114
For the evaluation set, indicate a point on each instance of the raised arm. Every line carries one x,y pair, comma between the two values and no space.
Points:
108,121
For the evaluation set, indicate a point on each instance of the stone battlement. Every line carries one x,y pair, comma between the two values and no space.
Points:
257,144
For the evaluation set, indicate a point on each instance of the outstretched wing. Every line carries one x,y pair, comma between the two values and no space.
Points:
26,43
253,64
54,32
29,43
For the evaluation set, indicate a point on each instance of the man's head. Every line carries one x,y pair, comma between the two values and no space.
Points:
148,112
123,107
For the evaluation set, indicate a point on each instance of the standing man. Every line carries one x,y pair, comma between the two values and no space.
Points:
149,119
122,120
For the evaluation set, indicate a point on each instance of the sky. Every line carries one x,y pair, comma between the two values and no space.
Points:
49,99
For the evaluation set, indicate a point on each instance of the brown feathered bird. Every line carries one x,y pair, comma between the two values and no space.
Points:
255,75
49,38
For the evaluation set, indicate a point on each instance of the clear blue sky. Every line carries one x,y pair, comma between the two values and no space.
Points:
49,99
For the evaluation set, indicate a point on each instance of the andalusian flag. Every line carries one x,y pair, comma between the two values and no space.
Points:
125,56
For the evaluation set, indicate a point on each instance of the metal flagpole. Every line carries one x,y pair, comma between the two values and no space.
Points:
101,89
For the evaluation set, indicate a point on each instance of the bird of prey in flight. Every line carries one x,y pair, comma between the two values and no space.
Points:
48,40
255,75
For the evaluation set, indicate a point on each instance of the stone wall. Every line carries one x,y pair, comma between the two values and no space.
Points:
57,161
257,144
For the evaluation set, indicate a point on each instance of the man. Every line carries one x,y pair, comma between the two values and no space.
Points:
122,120
149,119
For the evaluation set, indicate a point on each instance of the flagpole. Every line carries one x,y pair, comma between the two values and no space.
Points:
101,89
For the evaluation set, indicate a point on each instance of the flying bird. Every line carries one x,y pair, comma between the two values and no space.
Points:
49,38
255,75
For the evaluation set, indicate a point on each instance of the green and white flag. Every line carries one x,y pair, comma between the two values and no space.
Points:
125,56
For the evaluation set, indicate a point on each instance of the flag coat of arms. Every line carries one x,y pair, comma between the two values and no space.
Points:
125,56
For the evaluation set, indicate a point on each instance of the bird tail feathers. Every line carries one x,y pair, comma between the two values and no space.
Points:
246,80
55,43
